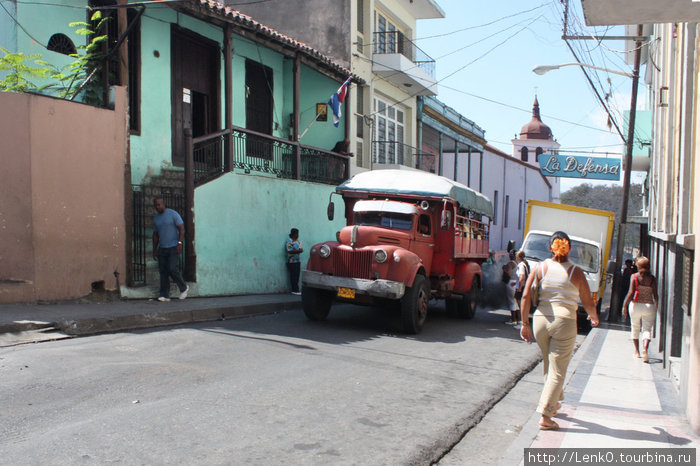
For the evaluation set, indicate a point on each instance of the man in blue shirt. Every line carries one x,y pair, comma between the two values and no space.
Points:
168,233
293,247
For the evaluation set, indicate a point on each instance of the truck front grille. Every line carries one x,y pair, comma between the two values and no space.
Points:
355,264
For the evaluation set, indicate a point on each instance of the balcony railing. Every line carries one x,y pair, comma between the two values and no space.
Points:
254,152
397,42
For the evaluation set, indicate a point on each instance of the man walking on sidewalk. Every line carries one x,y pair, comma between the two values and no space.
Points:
168,234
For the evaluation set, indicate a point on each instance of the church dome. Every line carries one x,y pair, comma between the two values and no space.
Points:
535,129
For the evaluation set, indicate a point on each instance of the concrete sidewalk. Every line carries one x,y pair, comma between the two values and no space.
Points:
23,323
612,400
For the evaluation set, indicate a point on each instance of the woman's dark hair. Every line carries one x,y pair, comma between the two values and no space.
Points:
559,235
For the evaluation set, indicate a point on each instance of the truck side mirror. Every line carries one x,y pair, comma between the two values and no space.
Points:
445,219
331,210
610,268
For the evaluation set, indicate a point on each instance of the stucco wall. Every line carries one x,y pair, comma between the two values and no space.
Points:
510,178
242,222
62,222
151,149
322,24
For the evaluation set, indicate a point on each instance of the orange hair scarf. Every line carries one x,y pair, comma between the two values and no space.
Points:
561,247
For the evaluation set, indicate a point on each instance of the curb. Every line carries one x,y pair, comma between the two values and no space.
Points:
96,325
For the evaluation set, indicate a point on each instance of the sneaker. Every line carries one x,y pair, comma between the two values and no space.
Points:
163,299
510,322
298,293
183,295
517,326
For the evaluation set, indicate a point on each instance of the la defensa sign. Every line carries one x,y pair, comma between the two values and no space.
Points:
573,166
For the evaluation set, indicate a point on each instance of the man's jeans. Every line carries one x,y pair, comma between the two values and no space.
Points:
294,269
168,262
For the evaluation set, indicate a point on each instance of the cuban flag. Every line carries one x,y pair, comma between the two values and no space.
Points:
338,98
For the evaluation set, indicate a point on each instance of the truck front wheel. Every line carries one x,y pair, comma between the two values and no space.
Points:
414,305
316,303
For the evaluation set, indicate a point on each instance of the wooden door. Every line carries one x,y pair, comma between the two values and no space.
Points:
195,88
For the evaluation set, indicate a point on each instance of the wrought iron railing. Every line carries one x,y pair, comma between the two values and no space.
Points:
255,152
397,42
208,156
260,153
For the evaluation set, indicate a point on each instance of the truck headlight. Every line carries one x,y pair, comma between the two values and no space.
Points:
380,256
324,251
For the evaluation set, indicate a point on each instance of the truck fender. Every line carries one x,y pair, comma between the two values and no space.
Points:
464,276
406,269
417,270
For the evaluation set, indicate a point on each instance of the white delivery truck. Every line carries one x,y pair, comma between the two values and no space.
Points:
590,231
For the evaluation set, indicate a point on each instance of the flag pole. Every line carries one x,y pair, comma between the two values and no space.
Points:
309,126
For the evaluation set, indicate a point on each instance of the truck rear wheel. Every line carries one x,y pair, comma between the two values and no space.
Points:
316,303
464,308
414,305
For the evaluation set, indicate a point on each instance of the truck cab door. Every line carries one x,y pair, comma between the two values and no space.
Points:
424,242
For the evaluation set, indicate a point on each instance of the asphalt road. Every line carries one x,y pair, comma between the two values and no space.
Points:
275,389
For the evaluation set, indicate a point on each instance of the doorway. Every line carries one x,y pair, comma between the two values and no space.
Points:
195,88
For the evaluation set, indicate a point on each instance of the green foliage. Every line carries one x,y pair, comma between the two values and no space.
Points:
21,69
66,80
604,197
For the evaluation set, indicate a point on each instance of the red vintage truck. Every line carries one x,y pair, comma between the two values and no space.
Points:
410,235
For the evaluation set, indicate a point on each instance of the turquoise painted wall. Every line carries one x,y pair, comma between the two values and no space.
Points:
38,23
241,224
317,88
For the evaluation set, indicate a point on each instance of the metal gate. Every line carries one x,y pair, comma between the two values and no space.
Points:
142,227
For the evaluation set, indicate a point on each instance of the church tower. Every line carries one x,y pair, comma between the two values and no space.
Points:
536,140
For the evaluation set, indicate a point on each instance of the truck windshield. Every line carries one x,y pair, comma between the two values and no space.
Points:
586,256
384,219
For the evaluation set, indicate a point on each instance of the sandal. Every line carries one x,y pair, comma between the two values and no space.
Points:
556,410
552,426
645,356
636,354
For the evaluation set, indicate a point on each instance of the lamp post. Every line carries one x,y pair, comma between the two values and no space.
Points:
616,299
542,69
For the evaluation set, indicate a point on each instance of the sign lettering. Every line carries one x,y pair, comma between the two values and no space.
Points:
572,166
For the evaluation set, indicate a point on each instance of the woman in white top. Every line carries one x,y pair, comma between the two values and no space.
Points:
562,284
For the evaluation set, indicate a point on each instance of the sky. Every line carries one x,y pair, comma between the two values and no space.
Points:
485,51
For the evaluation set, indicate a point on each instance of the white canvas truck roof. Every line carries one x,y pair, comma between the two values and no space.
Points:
420,184
384,206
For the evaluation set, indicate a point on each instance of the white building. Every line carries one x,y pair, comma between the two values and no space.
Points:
455,147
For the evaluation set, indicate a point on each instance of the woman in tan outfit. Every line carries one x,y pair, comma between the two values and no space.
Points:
644,297
554,327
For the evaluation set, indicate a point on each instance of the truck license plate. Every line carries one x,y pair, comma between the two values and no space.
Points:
346,293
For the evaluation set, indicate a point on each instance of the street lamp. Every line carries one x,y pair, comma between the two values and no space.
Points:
615,299
542,69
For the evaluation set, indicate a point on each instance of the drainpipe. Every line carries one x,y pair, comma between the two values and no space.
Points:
456,154
347,131
128,195
419,130
190,257
440,154
228,96
296,68
469,166
481,171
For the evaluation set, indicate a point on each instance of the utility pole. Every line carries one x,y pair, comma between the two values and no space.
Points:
617,294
